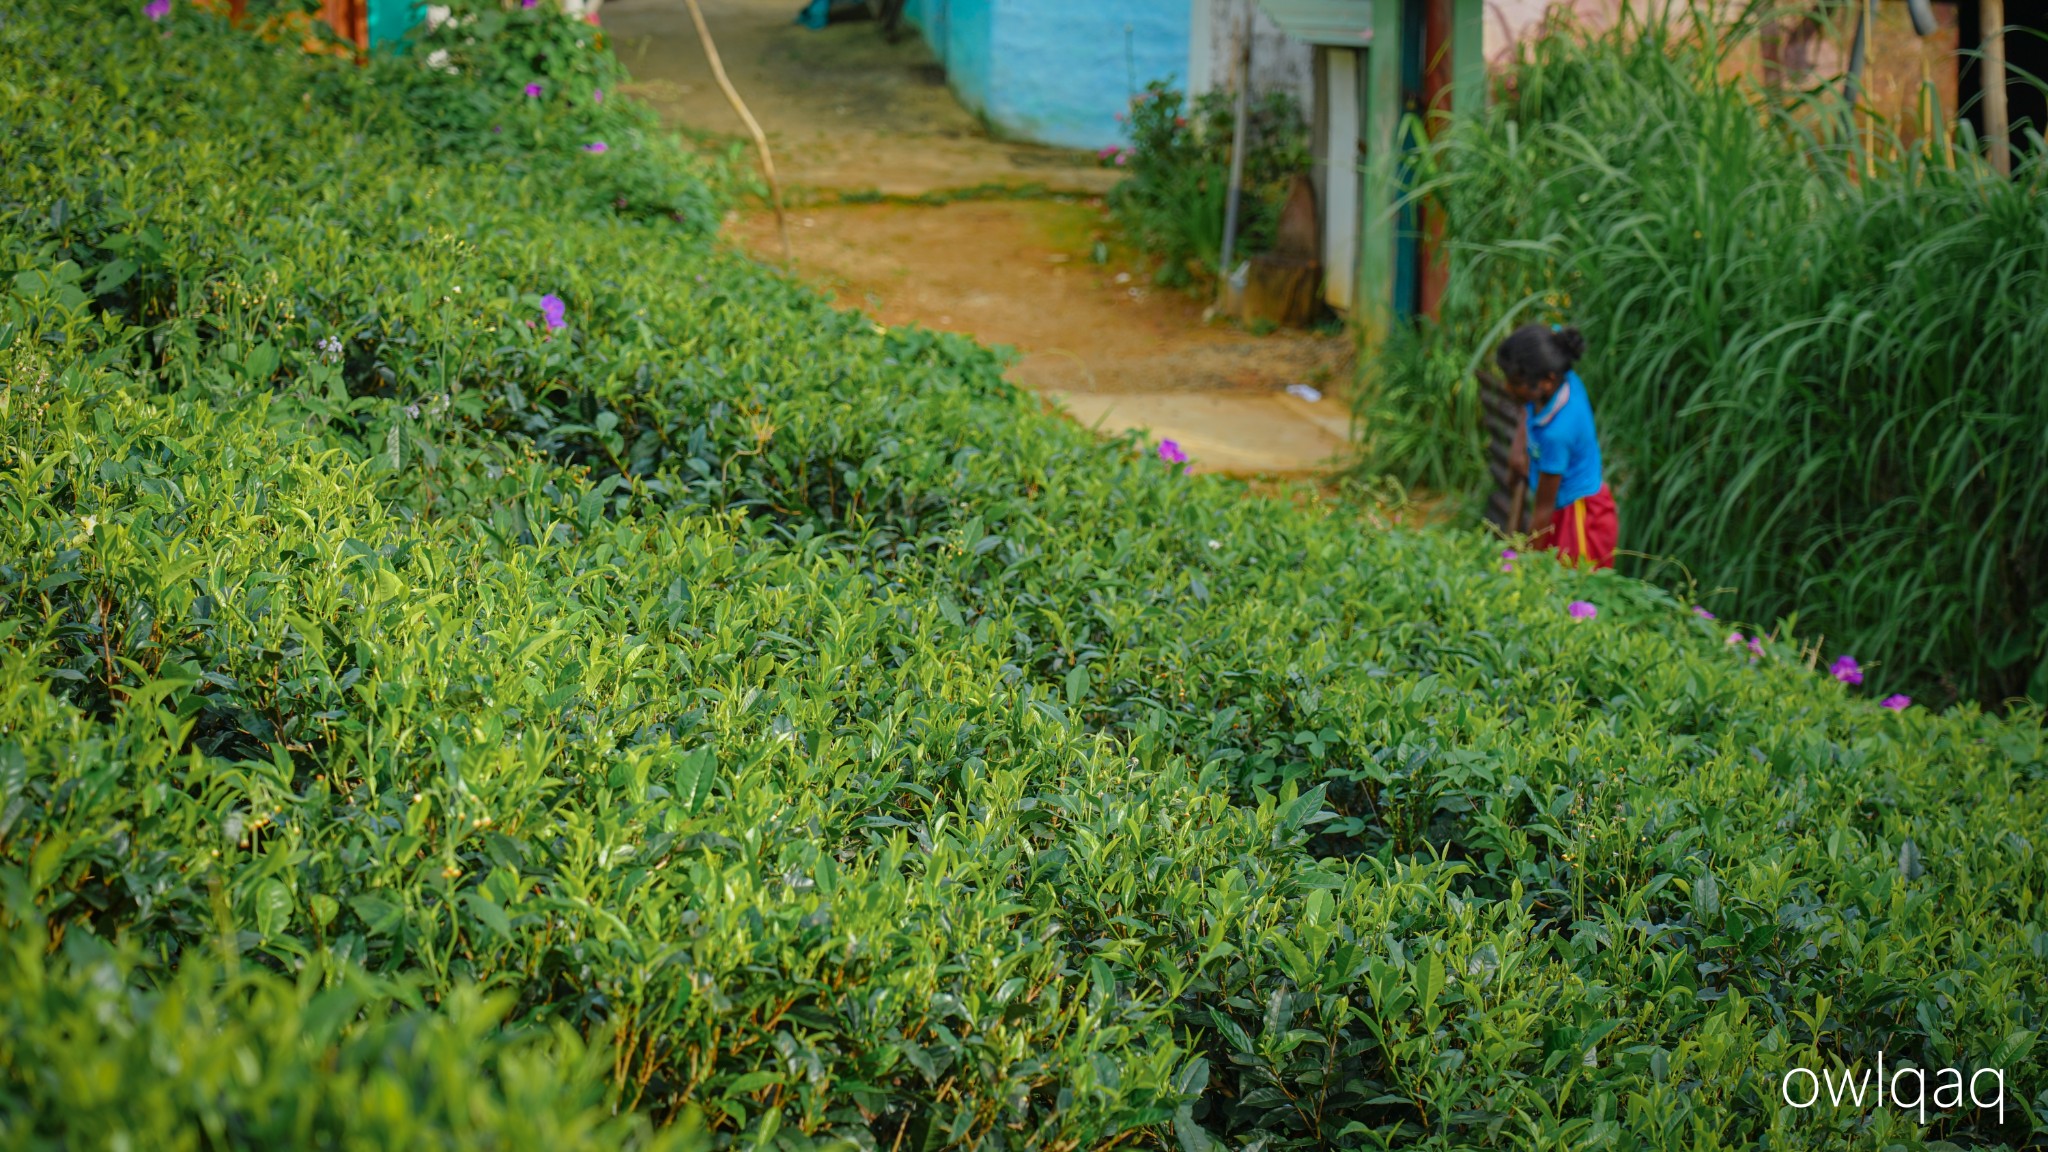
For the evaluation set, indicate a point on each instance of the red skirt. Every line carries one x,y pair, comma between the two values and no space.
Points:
1587,530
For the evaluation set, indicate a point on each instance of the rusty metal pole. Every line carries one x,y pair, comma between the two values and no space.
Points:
1997,126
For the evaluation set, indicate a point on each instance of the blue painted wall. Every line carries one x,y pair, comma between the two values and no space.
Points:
1054,71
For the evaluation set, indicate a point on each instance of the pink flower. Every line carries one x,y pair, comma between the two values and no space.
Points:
1702,613
1581,610
1122,158
595,146
1734,638
1847,670
597,96
1756,645
1169,451
157,9
1896,703
533,90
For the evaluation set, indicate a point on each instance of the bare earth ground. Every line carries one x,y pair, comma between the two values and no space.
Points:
849,113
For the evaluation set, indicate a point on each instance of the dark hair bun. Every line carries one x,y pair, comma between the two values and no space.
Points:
1538,351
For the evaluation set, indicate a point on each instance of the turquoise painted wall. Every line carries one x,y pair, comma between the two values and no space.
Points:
1054,71
390,20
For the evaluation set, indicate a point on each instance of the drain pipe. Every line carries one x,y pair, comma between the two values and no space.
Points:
1237,148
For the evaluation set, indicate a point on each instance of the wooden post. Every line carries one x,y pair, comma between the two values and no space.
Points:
1437,90
1235,193
350,20
1997,128
1378,222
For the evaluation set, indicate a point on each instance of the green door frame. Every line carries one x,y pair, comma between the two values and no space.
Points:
1379,220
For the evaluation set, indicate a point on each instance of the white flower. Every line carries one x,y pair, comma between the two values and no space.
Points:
90,523
439,61
437,15
1215,543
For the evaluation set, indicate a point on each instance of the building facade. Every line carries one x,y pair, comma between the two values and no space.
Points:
1054,71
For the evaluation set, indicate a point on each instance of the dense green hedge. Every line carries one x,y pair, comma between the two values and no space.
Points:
722,719
1817,371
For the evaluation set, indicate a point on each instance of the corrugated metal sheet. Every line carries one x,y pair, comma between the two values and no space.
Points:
1338,23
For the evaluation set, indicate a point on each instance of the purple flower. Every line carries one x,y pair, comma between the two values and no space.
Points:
595,146
1169,451
529,3
552,310
1702,613
597,96
1756,646
1734,638
533,90
497,129
1896,703
1581,610
157,9
413,411
1847,670
1508,553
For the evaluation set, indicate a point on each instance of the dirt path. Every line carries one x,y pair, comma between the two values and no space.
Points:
850,113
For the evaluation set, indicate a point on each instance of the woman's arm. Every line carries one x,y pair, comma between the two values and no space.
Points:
1547,484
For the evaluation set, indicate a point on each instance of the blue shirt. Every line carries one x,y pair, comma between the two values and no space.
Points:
1562,443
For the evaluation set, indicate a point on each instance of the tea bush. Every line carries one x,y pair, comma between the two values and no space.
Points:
484,667
1813,366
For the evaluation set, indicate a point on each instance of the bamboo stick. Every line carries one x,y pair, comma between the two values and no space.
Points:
1997,127
732,97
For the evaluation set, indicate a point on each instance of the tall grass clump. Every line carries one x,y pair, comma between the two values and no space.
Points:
1816,362
484,667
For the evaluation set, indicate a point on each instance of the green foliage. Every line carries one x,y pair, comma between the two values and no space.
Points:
719,705
1814,389
1172,204
219,1057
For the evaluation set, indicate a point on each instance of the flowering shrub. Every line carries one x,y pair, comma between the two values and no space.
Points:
1173,202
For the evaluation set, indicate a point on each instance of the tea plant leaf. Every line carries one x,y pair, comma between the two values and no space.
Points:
695,776
273,907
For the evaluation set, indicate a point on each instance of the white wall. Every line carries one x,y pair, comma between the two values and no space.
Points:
1279,62
1508,22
